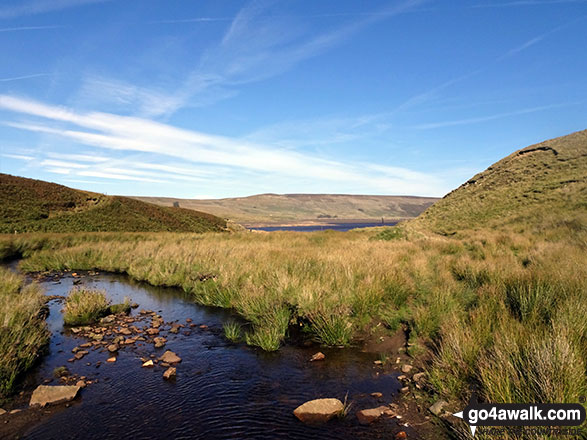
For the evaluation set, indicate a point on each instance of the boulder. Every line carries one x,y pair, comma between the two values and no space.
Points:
318,357
318,410
368,416
436,409
406,368
170,357
47,395
169,373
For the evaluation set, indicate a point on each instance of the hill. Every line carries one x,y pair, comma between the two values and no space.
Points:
538,184
28,205
275,208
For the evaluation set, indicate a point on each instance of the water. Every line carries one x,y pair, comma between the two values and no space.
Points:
222,390
334,227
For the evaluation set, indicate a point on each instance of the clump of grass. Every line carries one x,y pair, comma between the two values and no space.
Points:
331,329
389,234
232,331
123,307
265,337
346,406
84,306
23,331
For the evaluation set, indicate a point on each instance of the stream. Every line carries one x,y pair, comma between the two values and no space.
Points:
222,390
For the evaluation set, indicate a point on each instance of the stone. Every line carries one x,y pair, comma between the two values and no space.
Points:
401,435
377,395
125,331
368,416
318,410
107,319
112,348
15,411
148,364
188,320
80,383
405,389
86,345
80,354
152,331
174,329
436,409
170,373
406,368
170,357
111,359
2,411
419,377
203,326
134,306
378,362
318,357
49,395
159,341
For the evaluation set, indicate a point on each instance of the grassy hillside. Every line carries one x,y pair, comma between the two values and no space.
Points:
267,208
28,205
533,186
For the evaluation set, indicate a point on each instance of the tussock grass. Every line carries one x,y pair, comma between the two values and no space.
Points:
23,333
232,331
85,306
490,302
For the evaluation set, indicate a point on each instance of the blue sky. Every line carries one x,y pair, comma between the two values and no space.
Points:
232,98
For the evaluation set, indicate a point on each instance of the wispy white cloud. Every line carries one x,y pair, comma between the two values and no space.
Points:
29,28
32,7
18,78
204,152
468,121
18,156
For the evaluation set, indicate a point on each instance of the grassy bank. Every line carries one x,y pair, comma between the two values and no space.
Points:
501,311
23,333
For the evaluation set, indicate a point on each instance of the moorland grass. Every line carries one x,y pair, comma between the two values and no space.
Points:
23,333
84,306
498,309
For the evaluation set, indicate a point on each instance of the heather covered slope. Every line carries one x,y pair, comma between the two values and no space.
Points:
534,186
28,205
267,208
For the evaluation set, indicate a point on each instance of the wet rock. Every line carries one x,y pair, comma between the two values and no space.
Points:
436,409
48,395
406,368
2,411
174,329
188,320
80,383
111,359
134,306
107,319
318,357
402,377
401,435
96,337
170,373
405,389
118,340
318,410
112,348
368,416
377,395
148,364
81,354
86,345
125,331
152,331
187,333
159,342
378,362
203,326
75,349
170,357
61,372
15,411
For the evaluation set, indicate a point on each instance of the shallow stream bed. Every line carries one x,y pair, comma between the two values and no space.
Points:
222,390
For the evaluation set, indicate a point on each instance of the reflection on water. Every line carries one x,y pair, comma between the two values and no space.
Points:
222,391
334,227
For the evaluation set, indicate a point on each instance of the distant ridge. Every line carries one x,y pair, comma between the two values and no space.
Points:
538,184
28,205
292,208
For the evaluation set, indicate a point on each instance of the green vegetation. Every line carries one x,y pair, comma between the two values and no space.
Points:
232,331
28,205
22,328
536,185
276,208
498,306
84,307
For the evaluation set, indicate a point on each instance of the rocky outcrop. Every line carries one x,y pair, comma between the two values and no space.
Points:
49,395
318,410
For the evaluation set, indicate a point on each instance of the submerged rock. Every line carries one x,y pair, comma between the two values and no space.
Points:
318,410
159,341
368,416
47,395
170,373
318,357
